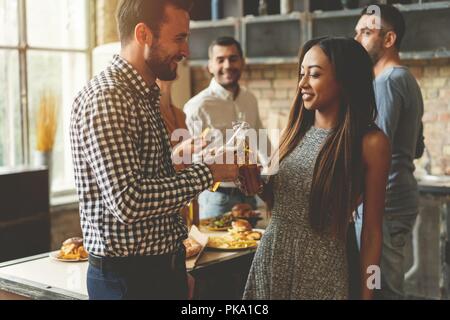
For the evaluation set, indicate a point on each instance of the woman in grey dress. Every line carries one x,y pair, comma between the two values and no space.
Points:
332,156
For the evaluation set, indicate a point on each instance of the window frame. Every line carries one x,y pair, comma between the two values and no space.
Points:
22,48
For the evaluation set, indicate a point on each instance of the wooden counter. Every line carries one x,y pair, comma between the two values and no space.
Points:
219,275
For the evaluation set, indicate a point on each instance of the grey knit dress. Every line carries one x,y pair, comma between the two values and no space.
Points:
292,262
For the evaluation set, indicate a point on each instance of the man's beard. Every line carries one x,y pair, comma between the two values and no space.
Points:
160,66
233,84
375,53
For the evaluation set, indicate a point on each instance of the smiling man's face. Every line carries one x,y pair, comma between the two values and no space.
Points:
171,45
226,64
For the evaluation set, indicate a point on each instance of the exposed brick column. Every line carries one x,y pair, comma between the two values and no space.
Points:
434,79
106,21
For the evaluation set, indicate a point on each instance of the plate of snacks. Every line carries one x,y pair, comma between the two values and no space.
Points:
72,250
240,237
227,243
242,230
220,223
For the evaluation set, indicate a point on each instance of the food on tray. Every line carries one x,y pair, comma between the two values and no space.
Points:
242,230
193,248
247,235
72,249
241,226
240,236
228,243
221,223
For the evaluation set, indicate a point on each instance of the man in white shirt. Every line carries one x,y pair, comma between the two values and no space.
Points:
217,107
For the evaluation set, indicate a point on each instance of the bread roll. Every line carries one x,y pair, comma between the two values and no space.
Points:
241,226
75,241
193,248
73,249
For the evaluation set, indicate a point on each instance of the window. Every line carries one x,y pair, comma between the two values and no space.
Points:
50,40
10,112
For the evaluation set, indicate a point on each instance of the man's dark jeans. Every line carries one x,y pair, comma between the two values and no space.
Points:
138,278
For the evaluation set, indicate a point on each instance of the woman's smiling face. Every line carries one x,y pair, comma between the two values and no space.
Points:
318,84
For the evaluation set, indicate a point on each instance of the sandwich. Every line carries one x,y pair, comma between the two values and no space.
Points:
73,249
242,230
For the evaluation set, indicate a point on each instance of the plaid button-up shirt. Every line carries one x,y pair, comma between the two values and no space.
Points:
130,195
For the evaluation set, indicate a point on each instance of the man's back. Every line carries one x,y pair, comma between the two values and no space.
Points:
400,108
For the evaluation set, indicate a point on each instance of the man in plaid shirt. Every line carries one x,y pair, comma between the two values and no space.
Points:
130,195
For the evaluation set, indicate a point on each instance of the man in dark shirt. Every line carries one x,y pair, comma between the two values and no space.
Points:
400,111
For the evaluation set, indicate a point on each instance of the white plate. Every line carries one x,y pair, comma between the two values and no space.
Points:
233,248
55,256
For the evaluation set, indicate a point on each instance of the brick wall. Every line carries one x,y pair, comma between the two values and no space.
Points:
275,87
434,79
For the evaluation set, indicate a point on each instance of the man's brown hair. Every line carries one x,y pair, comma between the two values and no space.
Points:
392,17
151,12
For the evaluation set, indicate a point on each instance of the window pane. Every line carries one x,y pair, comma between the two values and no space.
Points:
9,34
10,118
57,23
65,74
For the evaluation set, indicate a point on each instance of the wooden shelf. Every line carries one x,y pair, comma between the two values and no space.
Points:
277,38
204,32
